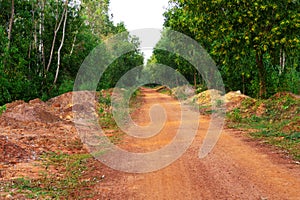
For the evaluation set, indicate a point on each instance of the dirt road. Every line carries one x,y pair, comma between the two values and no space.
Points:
237,168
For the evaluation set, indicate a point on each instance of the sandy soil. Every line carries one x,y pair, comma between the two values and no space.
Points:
237,168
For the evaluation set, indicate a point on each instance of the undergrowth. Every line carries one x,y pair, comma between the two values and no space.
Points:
124,104
277,123
60,179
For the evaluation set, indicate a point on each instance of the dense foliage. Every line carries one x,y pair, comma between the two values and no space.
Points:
256,44
44,42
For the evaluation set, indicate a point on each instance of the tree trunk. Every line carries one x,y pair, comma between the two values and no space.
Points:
57,27
11,21
261,75
62,43
282,62
243,79
73,44
195,80
41,31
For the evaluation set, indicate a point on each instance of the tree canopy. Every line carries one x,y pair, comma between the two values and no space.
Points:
44,42
256,44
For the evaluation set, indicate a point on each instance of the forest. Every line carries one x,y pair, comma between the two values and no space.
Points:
43,44
255,44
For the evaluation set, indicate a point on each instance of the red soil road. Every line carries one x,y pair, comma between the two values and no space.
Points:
236,168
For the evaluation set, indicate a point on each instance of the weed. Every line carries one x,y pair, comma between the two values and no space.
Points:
166,91
255,118
107,115
235,115
277,125
2,109
219,103
61,178
247,103
104,99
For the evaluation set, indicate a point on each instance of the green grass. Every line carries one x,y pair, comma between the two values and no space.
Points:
166,91
106,116
65,183
279,125
2,109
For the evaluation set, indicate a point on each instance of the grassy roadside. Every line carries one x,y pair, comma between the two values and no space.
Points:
62,177
275,121
107,117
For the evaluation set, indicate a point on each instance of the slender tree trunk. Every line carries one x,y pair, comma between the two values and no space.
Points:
57,27
31,33
41,31
262,76
62,43
9,32
35,37
282,61
73,44
195,80
243,79
11,21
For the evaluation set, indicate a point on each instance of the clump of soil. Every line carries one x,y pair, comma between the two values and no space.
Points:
281,106
31,129
11,153
36,110
280,95
69,103
234,100
231,100
206,97
293,126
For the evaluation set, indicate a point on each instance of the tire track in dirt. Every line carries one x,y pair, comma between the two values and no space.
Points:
235,169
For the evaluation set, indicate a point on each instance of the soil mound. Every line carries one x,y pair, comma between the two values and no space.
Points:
211,97
280,95
36,110
28,130
234,100
66,104
206,97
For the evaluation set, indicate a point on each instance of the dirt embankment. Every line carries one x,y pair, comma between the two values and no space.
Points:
30,129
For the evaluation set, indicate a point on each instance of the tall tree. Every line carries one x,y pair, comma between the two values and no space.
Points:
97,17
232,30
43,44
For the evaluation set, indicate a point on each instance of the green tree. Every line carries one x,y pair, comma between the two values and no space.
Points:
124,63
44,42
237,32
172,60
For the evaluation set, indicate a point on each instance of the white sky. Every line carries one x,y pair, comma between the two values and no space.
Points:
138,14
